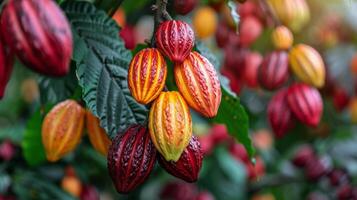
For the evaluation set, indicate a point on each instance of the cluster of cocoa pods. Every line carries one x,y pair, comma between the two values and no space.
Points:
38,34
317,168
62,130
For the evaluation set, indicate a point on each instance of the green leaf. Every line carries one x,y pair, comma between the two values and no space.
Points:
232,114
103,71
235,16
33,150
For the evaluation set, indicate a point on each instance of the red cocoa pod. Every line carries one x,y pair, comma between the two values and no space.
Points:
205,195
147,75
89,192
247,9
131,158
340,98
206,144
250,29
306,103
303,155
315,169
222,34
189,165
197,81
7,150
234,83
274,71
127,33
252,63
338,176
175,39
219,134
279,115
234,59
238,152
183,7
345,192
6,65
38,32
178,191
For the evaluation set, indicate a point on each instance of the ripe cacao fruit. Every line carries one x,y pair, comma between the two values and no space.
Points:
303,156
282,38
183,7
39,34
305,103
279,115
131,158
249,30
62,129
198,83
306,63
175,39
127,33
147,75
188,166
170,125
204,22
252,62
97,135
6,65
274,71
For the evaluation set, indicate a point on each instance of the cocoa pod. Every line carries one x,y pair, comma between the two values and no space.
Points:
183,7
307,65
250,29
175,39
252,60
147,75
97,135
282,38
303,156
62,129
89,192
188,166
274,71
38,32
6,65
197,81
170,125
279,115
131,158
72,185
305,103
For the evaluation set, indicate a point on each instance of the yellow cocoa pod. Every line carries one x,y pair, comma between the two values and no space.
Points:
97,135
198,83
62,129
306,63
204,22
170,125
282,38
147,75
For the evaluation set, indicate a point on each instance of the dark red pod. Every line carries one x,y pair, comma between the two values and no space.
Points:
89,192
183,7
39,34
131,158
222,34
274,71
303,156
188,166
6,65
279,115
175,39
305,102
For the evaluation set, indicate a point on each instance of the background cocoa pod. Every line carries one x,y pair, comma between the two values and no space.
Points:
131,158
6,65
170,125
175,39
147,75
183,7
306,63
197,81
62,129
188,166
43,42
274,71
97,135
306,103
279,115
282,38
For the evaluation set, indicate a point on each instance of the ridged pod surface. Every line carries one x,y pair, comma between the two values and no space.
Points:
188,166
170,125
62,129
306,63
131,158
282,38
292,13
197,81
39,34
97,135
175,39
306,103
279,115
147,75
6,65
274,71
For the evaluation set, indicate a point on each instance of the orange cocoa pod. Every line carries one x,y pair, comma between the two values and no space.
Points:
282,38
147,75
197,81
62,129
170,125
97,135
72,185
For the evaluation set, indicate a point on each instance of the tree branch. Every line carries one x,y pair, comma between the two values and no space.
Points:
161,15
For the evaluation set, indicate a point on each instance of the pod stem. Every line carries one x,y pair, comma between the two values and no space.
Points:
160,15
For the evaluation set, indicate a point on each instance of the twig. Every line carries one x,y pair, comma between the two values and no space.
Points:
161,15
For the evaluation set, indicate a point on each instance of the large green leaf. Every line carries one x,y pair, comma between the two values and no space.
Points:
102,71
